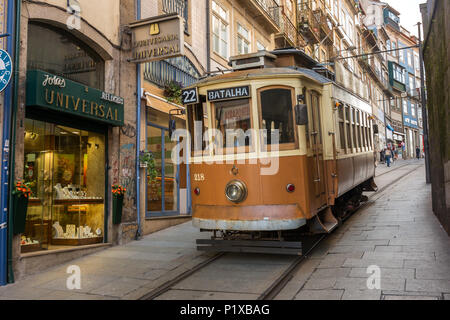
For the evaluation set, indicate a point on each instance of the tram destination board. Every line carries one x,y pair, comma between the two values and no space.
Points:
229,93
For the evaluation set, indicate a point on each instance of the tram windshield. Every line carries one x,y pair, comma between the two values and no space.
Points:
232,119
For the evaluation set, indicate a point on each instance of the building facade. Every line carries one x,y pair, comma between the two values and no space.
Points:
76,97
435,15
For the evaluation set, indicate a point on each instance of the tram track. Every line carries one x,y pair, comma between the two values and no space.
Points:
276,286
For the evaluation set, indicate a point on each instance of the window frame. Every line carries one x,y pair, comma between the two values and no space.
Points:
221,20
236,150
281,146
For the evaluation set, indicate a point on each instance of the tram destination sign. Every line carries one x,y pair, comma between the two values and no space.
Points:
229,93
57,93
157,38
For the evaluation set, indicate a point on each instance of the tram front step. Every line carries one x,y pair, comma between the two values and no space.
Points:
250,246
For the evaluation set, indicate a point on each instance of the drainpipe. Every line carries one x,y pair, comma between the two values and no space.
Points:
8,146
5,225
208,37
138,134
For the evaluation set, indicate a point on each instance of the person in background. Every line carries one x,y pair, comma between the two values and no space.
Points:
382,155
388,155
418,153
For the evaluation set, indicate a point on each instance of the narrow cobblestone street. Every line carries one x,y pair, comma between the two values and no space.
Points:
396,232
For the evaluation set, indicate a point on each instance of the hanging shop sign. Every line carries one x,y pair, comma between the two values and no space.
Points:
229,93
63,95
5,69
157,38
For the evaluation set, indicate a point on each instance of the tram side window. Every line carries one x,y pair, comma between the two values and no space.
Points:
197,126
232,119
348,127
355,131
358,123
363,129
277,114
341,127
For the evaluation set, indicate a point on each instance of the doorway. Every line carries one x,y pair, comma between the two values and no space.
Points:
163,192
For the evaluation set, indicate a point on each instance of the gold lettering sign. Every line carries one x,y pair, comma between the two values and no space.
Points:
157,38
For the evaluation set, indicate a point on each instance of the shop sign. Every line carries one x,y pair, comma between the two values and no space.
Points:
57,93
229,93
5,69
157,38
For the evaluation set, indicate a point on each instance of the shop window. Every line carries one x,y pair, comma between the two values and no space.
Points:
278,120
65,169
59,53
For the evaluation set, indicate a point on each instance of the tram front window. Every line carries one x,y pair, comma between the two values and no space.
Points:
232,119
277,114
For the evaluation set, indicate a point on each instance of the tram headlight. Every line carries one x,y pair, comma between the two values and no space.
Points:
236,191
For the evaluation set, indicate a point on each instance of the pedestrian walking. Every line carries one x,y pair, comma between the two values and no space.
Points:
382,156
418,153
388,155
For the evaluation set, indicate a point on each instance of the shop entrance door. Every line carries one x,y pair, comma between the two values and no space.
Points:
163,191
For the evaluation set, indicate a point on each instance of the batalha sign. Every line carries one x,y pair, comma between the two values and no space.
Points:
157,38
57,93
229,93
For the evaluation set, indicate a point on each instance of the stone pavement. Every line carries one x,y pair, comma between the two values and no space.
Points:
123,272
398,233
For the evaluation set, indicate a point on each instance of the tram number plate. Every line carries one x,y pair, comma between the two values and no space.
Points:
190,96
199,177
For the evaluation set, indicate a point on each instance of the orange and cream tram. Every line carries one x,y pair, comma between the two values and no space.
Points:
306,155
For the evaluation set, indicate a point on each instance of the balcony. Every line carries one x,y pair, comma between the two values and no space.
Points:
266,12
288,35
177,6
308,25
325,25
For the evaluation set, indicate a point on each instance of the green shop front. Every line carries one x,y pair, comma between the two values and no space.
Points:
66,162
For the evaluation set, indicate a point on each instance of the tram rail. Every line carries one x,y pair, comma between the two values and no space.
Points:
277,286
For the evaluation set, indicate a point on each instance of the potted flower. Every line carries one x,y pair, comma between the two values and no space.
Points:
21,194
118,193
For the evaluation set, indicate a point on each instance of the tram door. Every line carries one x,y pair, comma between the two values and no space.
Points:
317,149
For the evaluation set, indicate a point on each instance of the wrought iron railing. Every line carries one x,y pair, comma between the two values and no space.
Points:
272,8
307,20
177,6
165,72
289,29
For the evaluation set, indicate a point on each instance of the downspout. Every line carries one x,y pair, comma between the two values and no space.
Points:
208,37
13,135
138,134
5,223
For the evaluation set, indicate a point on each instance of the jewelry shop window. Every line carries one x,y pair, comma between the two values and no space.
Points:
277,117
65,169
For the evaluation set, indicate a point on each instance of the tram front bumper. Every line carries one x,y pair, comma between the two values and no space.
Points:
248,218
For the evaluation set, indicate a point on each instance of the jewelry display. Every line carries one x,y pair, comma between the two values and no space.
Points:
74,232
73,192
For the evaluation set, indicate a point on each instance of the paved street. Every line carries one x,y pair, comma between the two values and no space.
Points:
396,232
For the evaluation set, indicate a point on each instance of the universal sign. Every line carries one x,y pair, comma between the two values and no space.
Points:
157,38
56,93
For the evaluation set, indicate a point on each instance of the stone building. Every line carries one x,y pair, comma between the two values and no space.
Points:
436,27
75,109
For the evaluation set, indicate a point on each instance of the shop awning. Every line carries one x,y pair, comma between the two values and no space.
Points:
390,128
161,104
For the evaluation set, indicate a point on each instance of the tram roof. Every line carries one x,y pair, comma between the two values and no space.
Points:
264,72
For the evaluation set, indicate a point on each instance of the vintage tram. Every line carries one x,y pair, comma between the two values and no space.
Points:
303,158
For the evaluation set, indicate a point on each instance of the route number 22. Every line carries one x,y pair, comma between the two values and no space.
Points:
190,96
